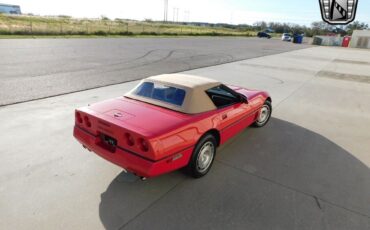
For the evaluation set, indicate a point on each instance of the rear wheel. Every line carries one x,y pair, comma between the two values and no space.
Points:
203,157
264,115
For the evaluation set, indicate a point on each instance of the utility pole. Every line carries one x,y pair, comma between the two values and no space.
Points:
186,15
177,15
165,11
174,15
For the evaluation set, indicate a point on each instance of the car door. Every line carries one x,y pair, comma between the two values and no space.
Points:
233,116
235,119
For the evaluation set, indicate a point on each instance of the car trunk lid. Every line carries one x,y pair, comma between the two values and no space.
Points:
145,119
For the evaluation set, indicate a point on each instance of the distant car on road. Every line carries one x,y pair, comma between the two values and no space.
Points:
169,122
263,35
286,37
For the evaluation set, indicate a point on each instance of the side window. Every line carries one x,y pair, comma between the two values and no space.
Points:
222,96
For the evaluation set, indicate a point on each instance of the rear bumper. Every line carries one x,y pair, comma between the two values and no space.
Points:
133,162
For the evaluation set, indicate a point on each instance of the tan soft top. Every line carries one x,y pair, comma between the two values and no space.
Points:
196,99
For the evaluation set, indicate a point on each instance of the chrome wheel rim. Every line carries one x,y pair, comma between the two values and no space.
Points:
263,115
205,156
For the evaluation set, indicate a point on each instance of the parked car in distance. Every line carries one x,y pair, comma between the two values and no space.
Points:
286,37
263,35
170,122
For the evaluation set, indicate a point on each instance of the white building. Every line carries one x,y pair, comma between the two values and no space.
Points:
360,39
10,9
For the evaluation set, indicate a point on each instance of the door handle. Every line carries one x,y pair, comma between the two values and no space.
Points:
224,116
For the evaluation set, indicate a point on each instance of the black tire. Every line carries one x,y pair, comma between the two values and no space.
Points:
194,168
262,122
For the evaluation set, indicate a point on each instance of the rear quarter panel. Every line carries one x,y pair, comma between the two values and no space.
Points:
187,135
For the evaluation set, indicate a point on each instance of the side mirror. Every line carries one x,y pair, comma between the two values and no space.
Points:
243,98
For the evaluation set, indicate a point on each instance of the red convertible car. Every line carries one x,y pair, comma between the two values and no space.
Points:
169,122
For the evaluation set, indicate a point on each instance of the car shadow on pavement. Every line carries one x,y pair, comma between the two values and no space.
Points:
297,169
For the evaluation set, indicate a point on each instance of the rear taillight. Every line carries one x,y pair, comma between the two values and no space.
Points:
78,117
87,121
143,145
130,141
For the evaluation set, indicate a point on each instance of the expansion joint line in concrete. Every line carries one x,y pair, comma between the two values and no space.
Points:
302,86
317,199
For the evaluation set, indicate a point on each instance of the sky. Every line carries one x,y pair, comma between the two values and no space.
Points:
214,11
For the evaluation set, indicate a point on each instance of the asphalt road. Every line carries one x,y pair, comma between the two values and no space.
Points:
307,169
39,68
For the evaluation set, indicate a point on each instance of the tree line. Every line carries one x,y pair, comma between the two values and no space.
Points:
316,28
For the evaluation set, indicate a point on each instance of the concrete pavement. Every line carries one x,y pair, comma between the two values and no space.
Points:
307,169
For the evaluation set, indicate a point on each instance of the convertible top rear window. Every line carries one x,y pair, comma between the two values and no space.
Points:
163,93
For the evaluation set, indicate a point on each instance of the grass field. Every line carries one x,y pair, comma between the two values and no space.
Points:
11,25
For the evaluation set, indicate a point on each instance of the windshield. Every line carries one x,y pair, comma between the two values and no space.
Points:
163,93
